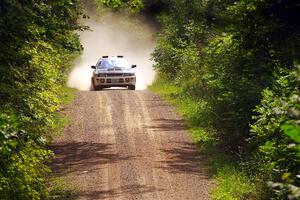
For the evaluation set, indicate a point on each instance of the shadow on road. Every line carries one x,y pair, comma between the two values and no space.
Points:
185,159
82,156
167,125
128,190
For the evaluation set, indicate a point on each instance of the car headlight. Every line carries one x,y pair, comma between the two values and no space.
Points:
101,75
128,74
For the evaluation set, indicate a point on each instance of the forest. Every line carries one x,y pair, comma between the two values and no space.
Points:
230,66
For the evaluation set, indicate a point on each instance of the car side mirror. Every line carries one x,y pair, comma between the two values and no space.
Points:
133,66
93,67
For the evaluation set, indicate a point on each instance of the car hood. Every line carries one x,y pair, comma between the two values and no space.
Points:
114,70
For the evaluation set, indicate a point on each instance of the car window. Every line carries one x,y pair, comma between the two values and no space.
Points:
113,62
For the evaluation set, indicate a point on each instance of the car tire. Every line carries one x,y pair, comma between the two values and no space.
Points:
93,87
131,87
99,88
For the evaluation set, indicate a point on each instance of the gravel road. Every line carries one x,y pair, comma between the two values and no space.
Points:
127,145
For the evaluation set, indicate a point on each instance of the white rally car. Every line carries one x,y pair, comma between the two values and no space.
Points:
113,71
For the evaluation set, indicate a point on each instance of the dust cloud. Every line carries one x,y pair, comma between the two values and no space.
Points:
114,34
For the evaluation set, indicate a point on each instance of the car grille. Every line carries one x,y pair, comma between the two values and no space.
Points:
114,74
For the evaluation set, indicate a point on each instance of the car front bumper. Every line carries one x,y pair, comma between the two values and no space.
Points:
123,81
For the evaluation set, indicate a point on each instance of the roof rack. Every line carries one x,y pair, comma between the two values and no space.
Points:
104,56
120,56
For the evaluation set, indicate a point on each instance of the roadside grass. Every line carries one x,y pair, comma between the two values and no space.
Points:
61,120
231,181
58,188
67,95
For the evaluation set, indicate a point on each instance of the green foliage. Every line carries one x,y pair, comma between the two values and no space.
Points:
232,86
134,5
293,132
275,134
24,172
233,185
235,56
38,41
10,139
165,87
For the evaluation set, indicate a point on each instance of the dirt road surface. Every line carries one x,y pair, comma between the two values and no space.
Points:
127,145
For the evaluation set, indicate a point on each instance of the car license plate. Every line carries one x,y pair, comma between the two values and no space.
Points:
115,80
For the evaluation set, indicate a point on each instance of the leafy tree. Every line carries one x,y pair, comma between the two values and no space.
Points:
236,55
37,44
134,5
275,135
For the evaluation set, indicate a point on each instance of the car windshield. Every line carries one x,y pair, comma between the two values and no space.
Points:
107,63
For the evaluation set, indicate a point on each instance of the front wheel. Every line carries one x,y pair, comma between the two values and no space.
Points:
92,86
131,87
99,88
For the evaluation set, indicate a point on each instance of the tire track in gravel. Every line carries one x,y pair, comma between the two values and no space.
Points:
128,145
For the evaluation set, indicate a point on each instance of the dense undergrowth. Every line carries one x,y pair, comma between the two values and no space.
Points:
233,70
231,66
38,43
